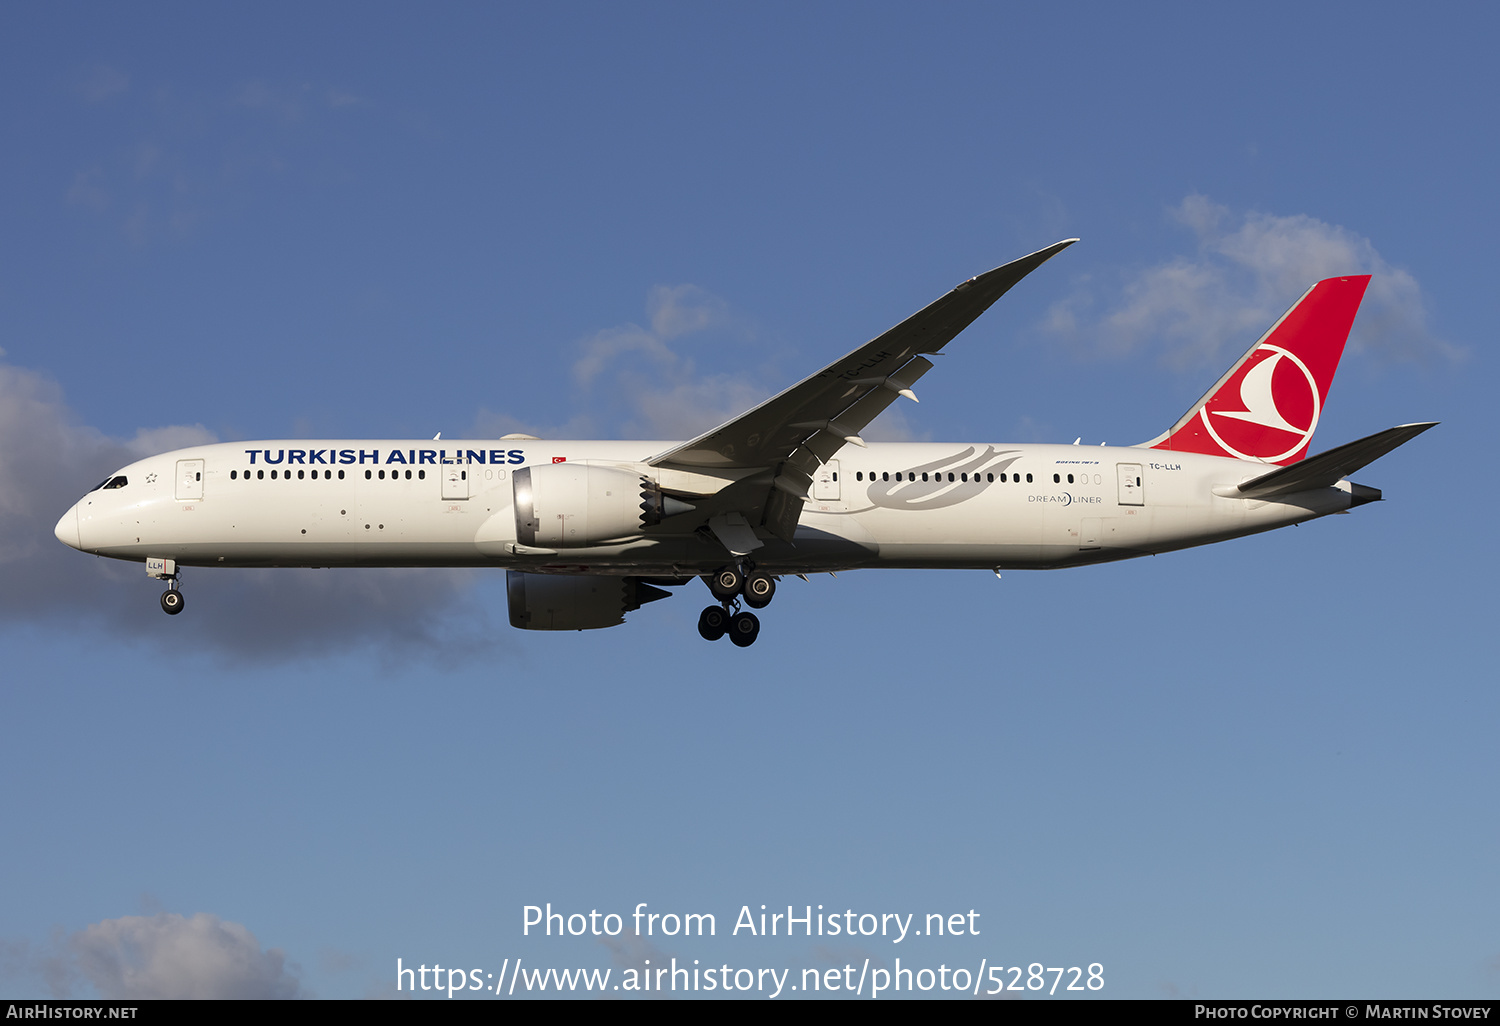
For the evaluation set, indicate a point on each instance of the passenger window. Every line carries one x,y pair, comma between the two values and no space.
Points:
990,478
421,475
1070,479
885,475
273,475
1028,479
835,475
341,475
1002,477
1056,479
232,474
408,475
260,475
859,475
367,475
299,475
382,475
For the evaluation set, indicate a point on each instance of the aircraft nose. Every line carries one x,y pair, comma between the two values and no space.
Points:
67,528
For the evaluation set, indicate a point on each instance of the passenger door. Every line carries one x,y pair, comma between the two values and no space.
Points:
826,482
1132,488
455,481
189,480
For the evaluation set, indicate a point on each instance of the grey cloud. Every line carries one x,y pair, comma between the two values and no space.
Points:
1248,270
48,460
50,964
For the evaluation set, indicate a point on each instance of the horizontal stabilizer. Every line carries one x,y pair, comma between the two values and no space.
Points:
1329,468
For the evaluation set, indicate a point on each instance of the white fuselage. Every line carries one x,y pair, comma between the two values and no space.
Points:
429,503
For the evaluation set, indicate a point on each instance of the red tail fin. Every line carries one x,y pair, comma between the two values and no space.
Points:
1266,407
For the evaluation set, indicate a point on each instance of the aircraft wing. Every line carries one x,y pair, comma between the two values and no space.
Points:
1328,468
790,434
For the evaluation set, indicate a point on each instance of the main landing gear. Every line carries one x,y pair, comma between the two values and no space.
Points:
730,585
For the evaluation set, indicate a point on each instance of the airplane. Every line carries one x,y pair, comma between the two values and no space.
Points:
589,531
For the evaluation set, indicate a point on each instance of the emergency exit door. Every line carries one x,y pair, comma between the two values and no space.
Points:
1132,490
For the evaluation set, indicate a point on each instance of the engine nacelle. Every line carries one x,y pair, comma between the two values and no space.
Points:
567,505
574,602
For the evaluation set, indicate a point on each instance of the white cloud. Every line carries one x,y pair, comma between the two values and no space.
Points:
608,345
655,388
1248,270
682,309
691,405
155,957
645,382
171,956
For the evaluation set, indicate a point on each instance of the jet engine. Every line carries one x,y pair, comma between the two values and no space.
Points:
566,505
574,602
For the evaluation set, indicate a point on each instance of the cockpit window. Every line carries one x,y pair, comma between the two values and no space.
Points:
117,481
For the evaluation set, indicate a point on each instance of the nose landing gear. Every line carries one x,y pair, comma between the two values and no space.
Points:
171,600
730,585
166,570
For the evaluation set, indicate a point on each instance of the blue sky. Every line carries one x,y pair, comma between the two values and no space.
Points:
1261,768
